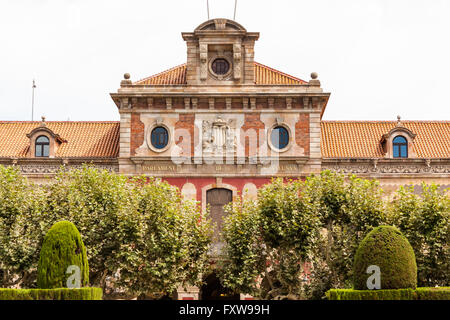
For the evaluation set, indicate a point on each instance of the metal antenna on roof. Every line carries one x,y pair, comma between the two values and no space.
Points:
235,5
32,100
207,7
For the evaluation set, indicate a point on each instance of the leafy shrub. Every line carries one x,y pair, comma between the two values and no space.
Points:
440,293
387,248
52,294
62,248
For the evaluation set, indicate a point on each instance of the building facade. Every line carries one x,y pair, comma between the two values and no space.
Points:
222,125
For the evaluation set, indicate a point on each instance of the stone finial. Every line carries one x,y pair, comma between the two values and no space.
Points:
314,81
399,123
43,124
126,79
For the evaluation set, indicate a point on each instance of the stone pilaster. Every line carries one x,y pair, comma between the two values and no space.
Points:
125,134
314,142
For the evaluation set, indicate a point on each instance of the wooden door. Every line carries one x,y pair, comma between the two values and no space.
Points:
217,198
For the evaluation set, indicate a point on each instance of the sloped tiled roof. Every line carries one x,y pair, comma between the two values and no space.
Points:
361,139
263,75
84,139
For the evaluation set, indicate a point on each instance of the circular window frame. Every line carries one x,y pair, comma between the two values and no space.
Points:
149,137
220,76
269,137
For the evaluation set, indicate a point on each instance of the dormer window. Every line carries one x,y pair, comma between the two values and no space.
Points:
398,143
42,147
400,147
43,142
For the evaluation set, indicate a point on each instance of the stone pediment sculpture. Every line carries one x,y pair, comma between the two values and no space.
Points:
218,137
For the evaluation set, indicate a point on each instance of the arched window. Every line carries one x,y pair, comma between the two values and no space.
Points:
279,137
400,147
160,137
42,146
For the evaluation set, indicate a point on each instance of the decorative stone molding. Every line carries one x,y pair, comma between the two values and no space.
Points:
203,61
237,54
388,168
54,168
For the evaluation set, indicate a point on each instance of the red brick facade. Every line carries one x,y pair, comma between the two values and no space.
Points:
137,133
302,132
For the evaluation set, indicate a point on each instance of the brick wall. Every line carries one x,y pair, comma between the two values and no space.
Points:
302,132
137,133
186,121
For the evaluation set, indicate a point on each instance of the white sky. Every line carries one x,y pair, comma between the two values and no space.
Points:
378,58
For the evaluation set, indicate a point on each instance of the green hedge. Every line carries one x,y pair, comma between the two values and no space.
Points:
441,293
87,293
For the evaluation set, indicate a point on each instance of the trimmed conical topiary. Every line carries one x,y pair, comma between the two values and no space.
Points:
387,248
62,247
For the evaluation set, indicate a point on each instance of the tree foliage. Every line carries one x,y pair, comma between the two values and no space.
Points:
296,229
22,208
425,221
170,241
348,207
128,225
268,241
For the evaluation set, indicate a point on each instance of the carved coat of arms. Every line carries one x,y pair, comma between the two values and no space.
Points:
218,136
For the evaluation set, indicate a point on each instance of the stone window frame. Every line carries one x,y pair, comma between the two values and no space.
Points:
220,76
269,137
149,137
54,141
388,139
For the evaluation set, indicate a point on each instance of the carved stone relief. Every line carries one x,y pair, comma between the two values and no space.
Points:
219,136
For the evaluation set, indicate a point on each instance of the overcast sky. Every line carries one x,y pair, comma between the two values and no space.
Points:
378,58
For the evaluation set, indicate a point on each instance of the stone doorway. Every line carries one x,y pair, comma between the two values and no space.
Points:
213,290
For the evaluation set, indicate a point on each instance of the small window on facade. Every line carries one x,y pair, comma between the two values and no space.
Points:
160,137
42,147
220,66
279,137
400,147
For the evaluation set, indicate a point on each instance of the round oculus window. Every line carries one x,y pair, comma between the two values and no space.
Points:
220,66
279,137
160,137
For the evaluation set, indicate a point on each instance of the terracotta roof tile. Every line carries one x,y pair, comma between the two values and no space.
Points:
84,139
361,139
263,75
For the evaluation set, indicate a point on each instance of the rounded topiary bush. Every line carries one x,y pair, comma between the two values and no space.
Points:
387,248
62,247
